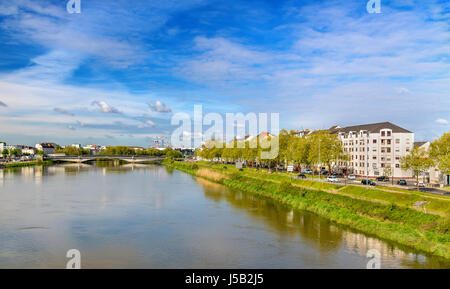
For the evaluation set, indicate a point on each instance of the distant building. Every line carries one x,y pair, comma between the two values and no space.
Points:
433,175
302,133
2,146
46,148
92,149
375,149
29,150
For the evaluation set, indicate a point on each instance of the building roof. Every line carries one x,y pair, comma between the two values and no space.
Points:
419,143
48,145
373,128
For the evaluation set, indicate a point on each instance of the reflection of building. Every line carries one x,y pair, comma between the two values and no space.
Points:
361,244
377,147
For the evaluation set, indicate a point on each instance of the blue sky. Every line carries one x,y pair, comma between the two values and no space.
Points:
116,72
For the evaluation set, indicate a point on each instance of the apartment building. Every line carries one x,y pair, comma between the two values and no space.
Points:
375,149
46,148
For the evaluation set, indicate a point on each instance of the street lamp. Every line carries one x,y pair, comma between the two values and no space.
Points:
320,167
367,159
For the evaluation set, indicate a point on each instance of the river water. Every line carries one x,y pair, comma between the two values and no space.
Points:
149,216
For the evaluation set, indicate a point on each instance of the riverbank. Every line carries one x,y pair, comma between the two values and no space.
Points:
27,164
394,216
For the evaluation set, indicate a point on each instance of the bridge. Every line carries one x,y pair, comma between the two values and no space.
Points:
88,158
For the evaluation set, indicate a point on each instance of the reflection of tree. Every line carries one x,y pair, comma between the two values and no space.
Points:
321,232
278,216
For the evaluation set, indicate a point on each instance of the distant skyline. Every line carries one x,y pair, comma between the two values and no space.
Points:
117,72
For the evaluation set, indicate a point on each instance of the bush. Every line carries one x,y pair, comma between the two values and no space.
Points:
287,188
443,226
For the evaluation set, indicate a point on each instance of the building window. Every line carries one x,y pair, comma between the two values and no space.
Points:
383,165
397,166
397,141
374,141
383,133
388,133
388,141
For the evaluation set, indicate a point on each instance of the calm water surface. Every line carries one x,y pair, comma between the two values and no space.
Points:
148,216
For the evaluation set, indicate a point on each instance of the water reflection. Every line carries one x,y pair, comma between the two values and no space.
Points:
147,216
321,233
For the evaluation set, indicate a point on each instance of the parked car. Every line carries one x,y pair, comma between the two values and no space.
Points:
351,177
324,172
421,184
301,176
402,183
307,171
333,179
370,182
383,179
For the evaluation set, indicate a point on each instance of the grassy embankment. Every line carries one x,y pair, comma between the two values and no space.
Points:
27,164
388,215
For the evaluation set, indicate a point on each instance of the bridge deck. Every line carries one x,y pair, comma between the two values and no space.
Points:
86,158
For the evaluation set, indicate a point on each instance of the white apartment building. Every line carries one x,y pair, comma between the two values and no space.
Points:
375,149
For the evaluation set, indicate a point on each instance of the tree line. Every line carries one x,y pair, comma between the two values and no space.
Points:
320,148
123,151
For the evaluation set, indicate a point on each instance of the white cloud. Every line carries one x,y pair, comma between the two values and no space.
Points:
63,111
441,121
2,104
150,123
104,107
402,90
158,106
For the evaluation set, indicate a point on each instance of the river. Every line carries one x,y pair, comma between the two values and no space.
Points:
150,216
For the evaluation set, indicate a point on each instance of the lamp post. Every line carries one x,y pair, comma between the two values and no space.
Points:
393,159
367,159
320,167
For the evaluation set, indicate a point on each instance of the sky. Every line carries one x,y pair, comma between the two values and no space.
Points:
118,71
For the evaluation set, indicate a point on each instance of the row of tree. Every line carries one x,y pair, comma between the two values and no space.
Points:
309,151
130,151
319,148
421,159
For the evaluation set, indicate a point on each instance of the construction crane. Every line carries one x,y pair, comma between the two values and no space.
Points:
161,142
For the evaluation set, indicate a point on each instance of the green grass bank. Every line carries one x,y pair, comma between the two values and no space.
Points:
387,215
27,164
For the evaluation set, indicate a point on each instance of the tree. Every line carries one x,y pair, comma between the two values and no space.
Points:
72,151
15,152
330,148
440,152
5,152
417,161
173,154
